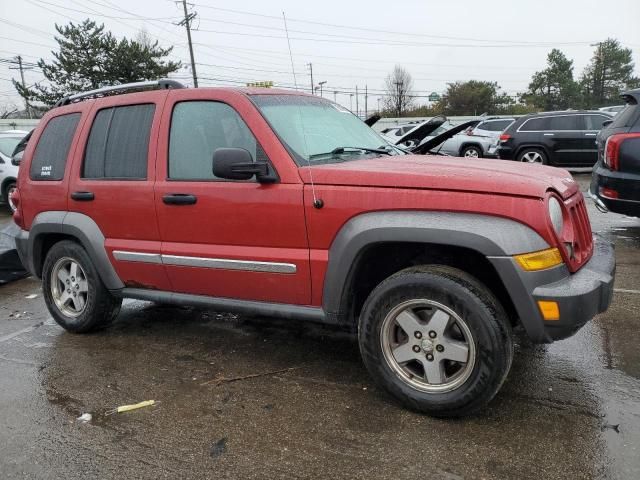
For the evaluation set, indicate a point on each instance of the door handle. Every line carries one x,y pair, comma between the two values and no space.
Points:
549,134
83,196
590,134
179,199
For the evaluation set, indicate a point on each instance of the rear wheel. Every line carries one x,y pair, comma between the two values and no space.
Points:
437,340
533,155
471,151
6,197
73,291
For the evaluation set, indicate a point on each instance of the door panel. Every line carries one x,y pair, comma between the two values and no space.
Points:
241,240
123,203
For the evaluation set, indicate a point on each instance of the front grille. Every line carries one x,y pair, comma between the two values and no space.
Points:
582,237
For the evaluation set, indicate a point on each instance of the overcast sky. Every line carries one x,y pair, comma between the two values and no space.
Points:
349,43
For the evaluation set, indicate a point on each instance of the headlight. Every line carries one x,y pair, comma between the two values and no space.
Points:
555,214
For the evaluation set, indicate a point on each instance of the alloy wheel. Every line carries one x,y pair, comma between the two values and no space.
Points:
532,157
428,345
69,287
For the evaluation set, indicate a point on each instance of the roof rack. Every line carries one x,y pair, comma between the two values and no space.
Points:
164,83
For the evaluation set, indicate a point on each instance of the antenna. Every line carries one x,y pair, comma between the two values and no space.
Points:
290,54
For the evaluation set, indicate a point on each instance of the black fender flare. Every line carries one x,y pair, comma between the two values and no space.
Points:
488,235
81,228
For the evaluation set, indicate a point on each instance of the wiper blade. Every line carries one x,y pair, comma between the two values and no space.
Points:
339,150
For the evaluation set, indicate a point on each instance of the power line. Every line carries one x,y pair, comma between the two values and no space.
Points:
379,31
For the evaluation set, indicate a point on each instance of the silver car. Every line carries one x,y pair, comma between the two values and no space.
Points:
475,142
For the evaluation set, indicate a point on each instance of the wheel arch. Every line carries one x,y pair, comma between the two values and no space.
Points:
470,144
404,238
49,228
536,146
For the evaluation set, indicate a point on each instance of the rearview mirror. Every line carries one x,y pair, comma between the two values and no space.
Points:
237,164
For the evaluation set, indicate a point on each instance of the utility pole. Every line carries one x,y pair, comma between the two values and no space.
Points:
357,108
366,96
21,67
351,102
188,18
335,96
311,71
321,84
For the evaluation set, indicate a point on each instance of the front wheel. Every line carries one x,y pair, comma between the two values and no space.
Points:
437,340
471,152
73,291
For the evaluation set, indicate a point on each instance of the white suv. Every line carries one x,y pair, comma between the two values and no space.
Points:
9,139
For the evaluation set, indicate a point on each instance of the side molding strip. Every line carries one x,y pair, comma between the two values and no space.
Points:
222,263
137,257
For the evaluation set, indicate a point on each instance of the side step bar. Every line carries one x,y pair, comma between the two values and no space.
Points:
247,307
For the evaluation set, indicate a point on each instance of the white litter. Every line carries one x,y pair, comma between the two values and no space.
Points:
85,417
31,297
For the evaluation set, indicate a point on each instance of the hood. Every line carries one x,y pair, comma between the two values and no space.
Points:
443,137
445,173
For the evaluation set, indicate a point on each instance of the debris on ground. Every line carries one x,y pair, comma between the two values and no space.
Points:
31,297
84,418
222,379
128,408
218,448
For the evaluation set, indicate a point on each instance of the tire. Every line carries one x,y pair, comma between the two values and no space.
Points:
466,387
533,155
472,151
5,196
87,305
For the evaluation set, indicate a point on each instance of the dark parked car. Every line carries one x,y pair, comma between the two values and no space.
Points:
565,138
615,184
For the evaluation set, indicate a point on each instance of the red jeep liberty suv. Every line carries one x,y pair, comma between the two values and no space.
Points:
273,202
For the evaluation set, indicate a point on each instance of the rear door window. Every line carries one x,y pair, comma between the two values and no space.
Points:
118,144
564,122
50,157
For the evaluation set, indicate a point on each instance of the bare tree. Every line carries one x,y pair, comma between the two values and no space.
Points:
144,38
7,109
399,87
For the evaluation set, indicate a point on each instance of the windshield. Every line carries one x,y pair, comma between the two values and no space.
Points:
8,144
316,130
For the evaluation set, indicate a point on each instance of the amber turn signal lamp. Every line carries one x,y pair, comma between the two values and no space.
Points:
549,310
539,260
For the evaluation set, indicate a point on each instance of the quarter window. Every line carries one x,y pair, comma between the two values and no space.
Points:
50,157
594,122
118,144
535,125
198,128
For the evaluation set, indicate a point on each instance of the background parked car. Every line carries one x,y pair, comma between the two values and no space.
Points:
565,138
613,110
8,172
615,183
474,142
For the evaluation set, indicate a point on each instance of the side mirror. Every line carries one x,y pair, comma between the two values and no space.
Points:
606,123
237,164
17,158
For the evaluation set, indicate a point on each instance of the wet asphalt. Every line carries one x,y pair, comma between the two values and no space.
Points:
567,410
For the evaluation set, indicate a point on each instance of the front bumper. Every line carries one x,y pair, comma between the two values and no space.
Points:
580,296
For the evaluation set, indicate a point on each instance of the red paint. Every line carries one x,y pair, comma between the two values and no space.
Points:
276,222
